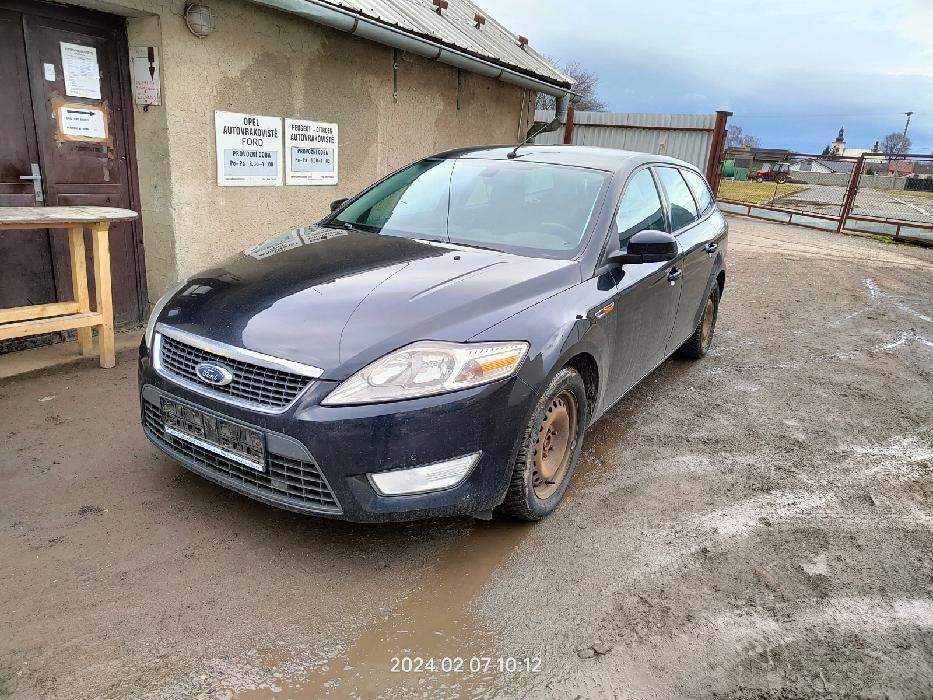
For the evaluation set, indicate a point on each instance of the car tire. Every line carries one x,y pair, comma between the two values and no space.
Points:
698,344
759,179
540,476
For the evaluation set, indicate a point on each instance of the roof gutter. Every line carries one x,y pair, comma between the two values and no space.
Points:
346,21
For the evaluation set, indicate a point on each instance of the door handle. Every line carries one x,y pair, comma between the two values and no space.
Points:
711,248
36,178
674,274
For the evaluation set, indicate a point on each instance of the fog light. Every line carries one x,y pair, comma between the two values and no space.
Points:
430,477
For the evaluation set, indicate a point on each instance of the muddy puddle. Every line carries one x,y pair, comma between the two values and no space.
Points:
433,625
392,657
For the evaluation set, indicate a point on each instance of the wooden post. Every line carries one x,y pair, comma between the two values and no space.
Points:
568,125
79,284
99,234
716,148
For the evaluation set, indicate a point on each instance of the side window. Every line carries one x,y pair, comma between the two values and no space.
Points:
683,208
700,190
640,207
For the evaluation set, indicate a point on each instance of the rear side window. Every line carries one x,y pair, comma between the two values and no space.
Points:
700,189
640,207
683,208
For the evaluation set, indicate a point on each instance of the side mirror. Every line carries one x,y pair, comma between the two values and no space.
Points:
338,203
646,247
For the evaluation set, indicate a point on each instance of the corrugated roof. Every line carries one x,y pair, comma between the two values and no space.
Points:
456,28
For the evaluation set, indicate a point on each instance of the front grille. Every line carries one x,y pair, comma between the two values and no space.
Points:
294,481
254,384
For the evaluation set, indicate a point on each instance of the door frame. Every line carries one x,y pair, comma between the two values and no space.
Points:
115,25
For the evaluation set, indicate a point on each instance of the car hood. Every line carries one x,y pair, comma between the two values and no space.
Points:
338,300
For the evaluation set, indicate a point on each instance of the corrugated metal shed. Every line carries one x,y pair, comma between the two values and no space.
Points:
684,136
456,28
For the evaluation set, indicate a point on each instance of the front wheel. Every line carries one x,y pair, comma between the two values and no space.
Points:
550,449
698,344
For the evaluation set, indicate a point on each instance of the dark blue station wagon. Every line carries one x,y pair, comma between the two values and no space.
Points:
438,344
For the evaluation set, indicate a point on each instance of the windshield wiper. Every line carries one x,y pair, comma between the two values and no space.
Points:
474,245
347,226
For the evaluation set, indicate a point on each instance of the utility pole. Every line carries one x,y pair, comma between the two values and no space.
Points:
906,125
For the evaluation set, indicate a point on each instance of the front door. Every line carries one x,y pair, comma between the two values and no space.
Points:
38,45
647,293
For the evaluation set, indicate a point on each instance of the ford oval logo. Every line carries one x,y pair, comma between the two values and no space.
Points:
213,373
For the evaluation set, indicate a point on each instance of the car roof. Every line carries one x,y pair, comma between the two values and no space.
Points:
608,159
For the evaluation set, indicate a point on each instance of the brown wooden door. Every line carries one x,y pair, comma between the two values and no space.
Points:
74,171
26,274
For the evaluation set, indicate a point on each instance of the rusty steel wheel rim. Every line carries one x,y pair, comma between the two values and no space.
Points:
708,314
557,438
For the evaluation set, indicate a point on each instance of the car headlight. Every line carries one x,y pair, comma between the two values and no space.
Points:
157,309
426,368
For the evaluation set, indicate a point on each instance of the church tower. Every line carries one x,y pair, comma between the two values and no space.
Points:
839,145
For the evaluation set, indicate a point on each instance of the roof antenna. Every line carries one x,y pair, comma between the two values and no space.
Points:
531,134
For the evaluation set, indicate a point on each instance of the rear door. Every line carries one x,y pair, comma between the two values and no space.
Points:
647,294
691,207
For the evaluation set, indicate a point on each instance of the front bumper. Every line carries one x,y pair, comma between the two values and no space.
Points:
318,457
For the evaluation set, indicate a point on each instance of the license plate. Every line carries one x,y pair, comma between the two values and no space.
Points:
232,440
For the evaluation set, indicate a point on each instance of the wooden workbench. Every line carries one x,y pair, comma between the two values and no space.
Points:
66,315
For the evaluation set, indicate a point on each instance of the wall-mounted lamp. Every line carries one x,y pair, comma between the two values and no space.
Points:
200,19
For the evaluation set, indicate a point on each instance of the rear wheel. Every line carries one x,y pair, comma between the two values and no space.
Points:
698,344
550,449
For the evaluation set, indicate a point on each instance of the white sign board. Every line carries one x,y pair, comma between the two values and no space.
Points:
311,153
144,72
80,69
249,149
84,121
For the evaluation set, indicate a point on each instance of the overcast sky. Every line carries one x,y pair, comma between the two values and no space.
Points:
792,71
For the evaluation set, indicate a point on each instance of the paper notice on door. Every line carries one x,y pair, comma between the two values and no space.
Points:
48,70
80,70
80,122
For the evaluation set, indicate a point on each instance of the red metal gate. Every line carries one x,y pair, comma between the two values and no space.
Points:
873,193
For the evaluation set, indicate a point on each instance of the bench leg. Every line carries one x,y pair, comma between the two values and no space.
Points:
104,293
79,285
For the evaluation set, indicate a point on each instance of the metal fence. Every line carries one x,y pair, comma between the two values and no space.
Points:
695,138
868,194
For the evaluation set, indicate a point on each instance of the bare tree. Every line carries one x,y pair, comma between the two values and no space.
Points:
587,85
895,143
737,138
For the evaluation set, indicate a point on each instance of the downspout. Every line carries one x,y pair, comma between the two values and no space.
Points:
560,118
346,21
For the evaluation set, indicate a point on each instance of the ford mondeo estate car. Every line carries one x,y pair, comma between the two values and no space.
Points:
438,344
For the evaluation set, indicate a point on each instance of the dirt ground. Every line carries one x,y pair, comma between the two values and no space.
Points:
758,524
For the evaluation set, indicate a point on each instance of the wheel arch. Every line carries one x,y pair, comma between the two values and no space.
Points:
585,364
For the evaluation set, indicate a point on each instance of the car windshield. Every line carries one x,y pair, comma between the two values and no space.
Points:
531,209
